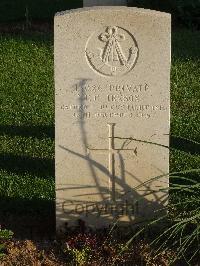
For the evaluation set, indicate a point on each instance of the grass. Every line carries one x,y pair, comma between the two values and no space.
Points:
27,117
185,102
26,121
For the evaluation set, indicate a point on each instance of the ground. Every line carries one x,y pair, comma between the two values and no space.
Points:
74,251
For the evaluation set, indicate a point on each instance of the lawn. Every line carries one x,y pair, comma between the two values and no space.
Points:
27,184
26,126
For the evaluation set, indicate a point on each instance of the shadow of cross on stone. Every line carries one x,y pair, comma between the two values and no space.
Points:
112,151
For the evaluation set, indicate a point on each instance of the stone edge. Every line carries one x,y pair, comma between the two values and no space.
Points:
116,8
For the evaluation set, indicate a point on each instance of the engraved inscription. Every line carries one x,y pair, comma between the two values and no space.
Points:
120,101
113,52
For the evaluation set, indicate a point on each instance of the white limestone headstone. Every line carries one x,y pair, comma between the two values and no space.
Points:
112,82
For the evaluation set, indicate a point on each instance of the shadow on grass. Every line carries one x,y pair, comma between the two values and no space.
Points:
185,44
41,39
188,148
186,145
28,218
39,167
39,132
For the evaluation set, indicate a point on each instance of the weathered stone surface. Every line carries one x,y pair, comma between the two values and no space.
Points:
104,3
112,79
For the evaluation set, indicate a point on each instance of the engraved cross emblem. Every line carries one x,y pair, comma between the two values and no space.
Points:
112,151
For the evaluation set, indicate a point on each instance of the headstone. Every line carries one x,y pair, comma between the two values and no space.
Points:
104,3
112,79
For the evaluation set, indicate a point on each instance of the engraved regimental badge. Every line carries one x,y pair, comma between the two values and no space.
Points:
113,52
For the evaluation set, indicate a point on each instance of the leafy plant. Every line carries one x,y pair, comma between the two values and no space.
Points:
4,235
2,250
94,248
79,247
80,257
